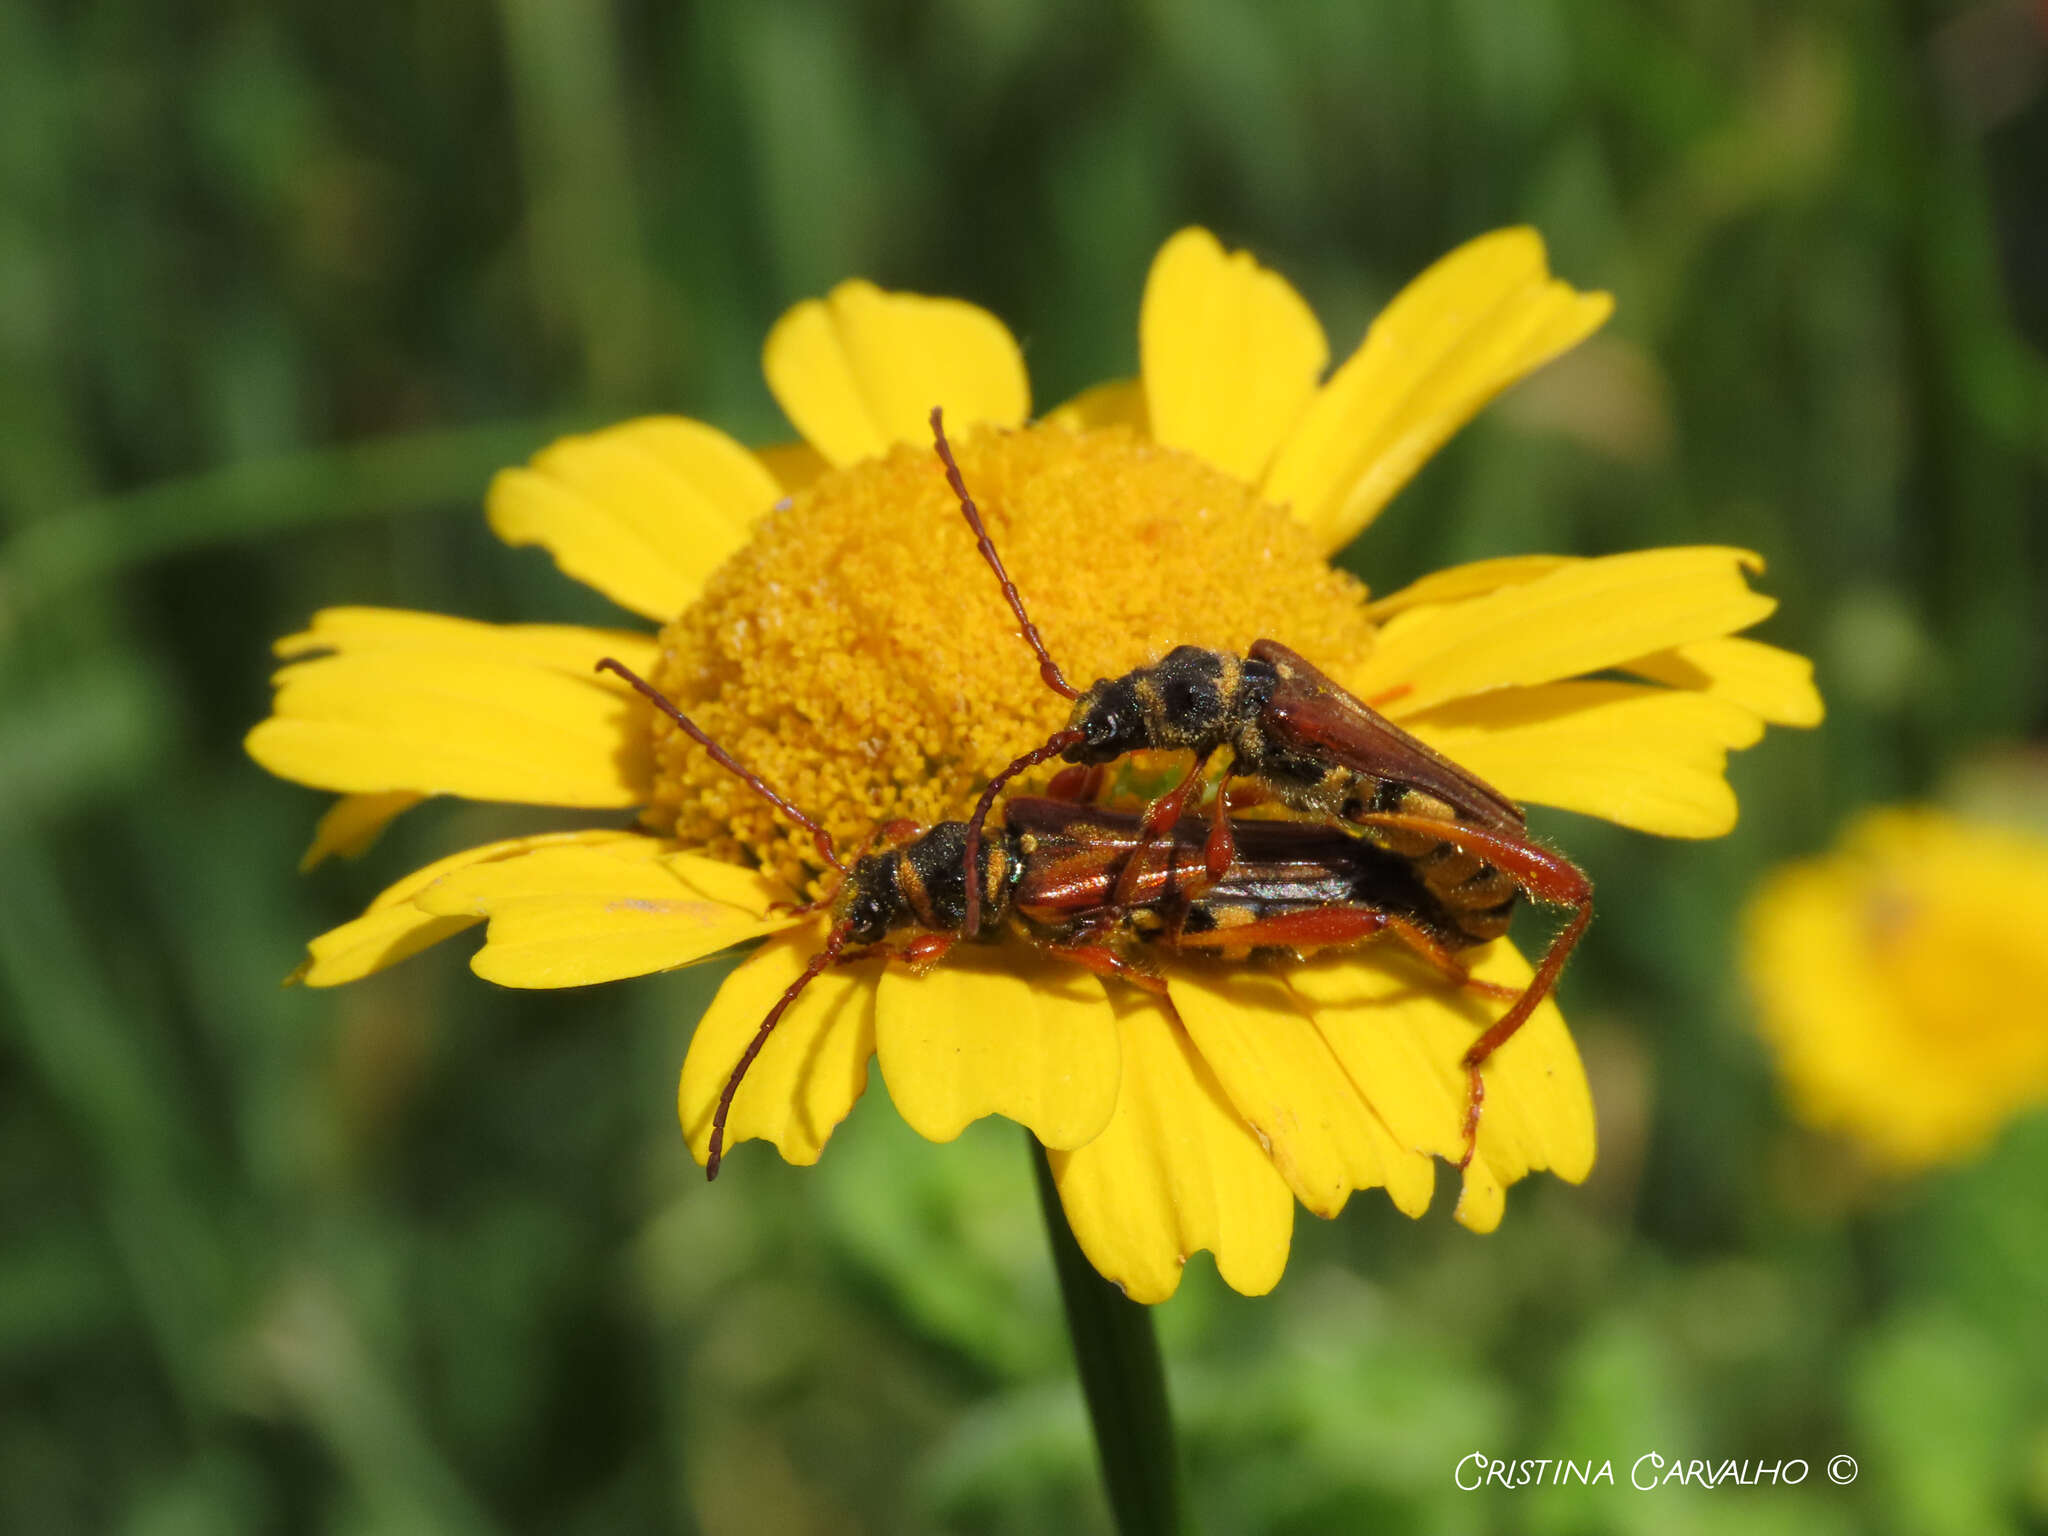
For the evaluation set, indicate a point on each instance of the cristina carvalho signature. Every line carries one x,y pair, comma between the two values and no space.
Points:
1648,1471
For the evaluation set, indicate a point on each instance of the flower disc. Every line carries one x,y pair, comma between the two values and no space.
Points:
858,653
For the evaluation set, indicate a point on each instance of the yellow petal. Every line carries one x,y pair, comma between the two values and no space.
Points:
642,511
1118,403
813,1068
860,370
794,465
419,703
353,823
1279,1074
1458,582
1175,1171
1230,354
1580,618
1481,318
1381,1015
570,916
1776,685
568,648
392,928
1650,758
1400,1031
1012,1033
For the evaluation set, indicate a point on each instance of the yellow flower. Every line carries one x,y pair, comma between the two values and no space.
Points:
828,619
1902,981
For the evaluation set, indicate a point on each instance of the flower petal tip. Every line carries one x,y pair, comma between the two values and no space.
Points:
1026,1038
1482,1199
861,369
1230,353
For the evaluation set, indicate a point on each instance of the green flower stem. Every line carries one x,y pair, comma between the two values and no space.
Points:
1121,1375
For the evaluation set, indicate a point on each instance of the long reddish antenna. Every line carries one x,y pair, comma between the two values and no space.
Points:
1047,667
725,760
970,853
834,942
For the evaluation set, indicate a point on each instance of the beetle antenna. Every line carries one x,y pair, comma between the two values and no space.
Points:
1047,667
835,941
1054,745
826,847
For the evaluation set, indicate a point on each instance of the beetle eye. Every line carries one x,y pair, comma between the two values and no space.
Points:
869,918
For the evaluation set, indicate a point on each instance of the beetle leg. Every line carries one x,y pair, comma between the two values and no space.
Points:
1221,848
1159,820
1503,1028
1316,928
1105,961
1445,959
1078,783
1545,876
920,953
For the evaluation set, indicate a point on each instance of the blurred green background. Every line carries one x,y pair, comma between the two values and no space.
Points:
280,285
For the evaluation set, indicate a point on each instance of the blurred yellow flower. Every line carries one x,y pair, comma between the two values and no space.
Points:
827,618
1903,982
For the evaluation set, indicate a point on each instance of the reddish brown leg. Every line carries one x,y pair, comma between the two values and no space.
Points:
1078,783
1106,962
1445,960
1159,820
1545,876
1221,848
1319,928
1505,1026
926,950
1246,793
920,954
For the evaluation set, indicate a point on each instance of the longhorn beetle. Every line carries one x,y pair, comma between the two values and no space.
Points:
1055,873
1315,748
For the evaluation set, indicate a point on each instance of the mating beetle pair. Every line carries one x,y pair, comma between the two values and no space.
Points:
1394,839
